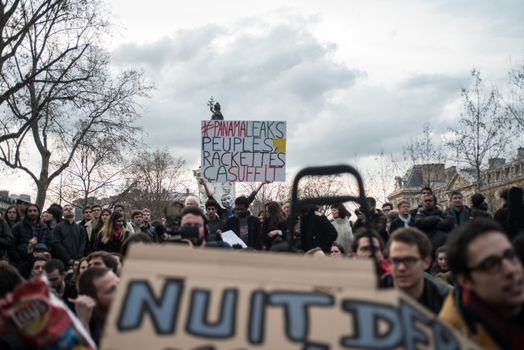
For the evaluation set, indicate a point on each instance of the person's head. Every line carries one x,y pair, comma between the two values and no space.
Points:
362,247
68,212
409,252
360,215
226,200
11,215
102,259
404,208
174,209
337,250
425,191
54,213
191,201
105,215
137,217
483,261
100,284
241,206
41,249
429,202
286,208
273,216
146,215
117,220
32,213
119,208
136,239
372,203
386,208
96,210
339,211
194,217
477,201
119,258
37,268
456,199
441,258
87,213
10,278
55,272
211,209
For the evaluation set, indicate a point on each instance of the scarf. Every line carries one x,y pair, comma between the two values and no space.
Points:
507,333
405,221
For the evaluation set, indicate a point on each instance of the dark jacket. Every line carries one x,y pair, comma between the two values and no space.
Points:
72,237
433,295
254,237
436,224
459,217
24,231
268,241
6,240
114,245
397,223
316,231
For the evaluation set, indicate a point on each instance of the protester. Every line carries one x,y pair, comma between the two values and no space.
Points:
274,225
97,290
337,250
486,305
193,217
137,221
102,259
12,216
457,210
342,225
192,201
386,208
440,268
315,230
113,233
79,269
361,249
37,267
70,235
65,290
28,233
435,223
409,253
7,242
87,215
404,219
244,225
376,220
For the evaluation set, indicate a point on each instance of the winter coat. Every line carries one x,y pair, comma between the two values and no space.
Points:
345,234
254,236
316,231
72,237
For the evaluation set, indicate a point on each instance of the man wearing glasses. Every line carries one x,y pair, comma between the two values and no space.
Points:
486,304
409,253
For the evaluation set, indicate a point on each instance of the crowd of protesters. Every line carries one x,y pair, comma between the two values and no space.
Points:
459,262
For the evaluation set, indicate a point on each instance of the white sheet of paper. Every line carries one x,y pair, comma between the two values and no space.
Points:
231,238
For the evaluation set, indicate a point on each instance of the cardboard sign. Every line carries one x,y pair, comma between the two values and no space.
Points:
243,151
173,297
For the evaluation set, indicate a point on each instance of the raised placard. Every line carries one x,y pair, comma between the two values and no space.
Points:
243,151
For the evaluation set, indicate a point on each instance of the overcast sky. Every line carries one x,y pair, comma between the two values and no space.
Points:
351,78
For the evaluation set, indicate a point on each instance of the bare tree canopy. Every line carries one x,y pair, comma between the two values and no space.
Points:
484,127
155,178
71,98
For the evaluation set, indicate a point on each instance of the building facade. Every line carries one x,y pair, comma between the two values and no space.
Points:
498,176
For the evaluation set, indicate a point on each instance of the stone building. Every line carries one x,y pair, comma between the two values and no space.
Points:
498,176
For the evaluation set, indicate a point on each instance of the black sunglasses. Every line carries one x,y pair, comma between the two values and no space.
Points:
493,263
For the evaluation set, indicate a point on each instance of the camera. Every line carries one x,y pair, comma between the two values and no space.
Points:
184,232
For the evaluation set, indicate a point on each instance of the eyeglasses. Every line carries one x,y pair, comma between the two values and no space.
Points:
408,261
493,263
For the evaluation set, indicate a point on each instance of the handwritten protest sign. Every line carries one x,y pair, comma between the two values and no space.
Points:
176,298
243,151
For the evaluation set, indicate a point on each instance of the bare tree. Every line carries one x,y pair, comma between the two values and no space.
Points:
155,177
275,191
97,170
72,94
515,102
484,128
17,18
